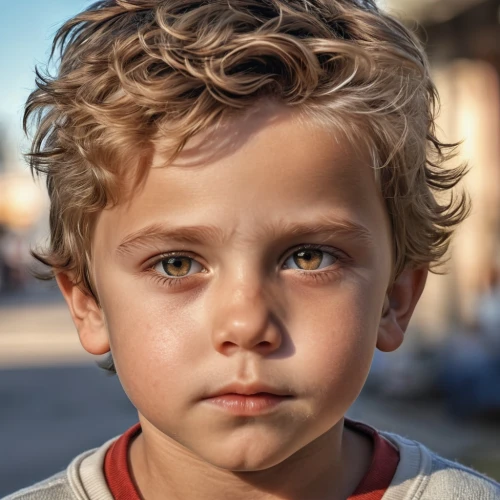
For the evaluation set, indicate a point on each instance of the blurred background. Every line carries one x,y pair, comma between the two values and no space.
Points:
442,387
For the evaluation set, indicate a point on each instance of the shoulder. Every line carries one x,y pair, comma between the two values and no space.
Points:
424,475
83,480
56,487
457,481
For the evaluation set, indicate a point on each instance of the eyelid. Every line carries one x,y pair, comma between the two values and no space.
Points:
313,246
174,253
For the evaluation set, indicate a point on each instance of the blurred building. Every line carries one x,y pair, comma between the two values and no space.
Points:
462,38
22,208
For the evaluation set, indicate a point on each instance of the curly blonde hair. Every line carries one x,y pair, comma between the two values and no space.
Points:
134,73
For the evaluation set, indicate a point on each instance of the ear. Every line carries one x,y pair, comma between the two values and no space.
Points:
399,305
87,316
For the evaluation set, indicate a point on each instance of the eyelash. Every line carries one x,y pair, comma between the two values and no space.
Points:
317,276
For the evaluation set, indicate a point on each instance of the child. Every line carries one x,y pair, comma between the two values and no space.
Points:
246,197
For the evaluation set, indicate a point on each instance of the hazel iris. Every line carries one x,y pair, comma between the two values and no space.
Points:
308,260
177,266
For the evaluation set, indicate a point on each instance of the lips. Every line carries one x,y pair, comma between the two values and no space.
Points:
248,400
249,390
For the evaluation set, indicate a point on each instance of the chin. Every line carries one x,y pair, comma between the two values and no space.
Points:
246,456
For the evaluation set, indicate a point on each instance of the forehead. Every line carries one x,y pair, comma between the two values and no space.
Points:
261,168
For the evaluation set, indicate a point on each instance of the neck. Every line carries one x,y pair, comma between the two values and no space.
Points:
329,467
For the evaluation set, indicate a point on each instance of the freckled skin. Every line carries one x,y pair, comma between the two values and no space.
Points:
246,317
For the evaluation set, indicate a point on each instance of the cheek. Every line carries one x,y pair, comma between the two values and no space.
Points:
155,342
335,343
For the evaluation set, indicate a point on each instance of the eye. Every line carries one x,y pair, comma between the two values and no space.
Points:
178,266
310,259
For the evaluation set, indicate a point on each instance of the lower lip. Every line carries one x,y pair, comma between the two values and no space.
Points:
247,405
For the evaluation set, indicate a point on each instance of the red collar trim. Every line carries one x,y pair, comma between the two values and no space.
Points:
383,466
117,469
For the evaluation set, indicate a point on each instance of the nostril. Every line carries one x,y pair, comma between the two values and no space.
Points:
263,345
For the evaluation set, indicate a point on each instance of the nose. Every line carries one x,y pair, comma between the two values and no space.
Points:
243,321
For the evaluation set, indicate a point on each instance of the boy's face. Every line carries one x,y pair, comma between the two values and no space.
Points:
248,302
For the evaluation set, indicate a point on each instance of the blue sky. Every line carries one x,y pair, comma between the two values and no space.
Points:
26,31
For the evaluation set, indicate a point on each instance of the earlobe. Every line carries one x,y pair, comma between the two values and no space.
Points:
399,305
86,314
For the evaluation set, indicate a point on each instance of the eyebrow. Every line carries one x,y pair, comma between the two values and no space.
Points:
159,233
198,235
325,224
